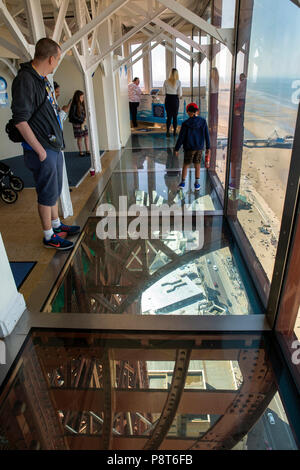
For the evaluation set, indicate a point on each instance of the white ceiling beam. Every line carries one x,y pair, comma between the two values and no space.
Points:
150,7
127,36
165,39
95,32
172,31
153,47
10,65
23,28
60,20
93,7
178,53
87,13
80,14
136,51
25,48
78,57
178,34
225,35
152,37
170,40
117,33
11,47
144,53
36,21
88,28
15,13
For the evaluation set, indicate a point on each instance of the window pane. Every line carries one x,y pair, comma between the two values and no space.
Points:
265,110
158,59
137,69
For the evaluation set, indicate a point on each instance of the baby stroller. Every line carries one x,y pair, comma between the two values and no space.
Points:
10,185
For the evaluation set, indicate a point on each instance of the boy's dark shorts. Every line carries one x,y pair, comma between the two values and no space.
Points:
47,175
192,156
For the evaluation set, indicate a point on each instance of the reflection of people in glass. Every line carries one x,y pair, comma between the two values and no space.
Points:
240,95
138,159
173,91
172,174
213,114
238,132
237,143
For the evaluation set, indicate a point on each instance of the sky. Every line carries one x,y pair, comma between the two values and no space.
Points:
275,43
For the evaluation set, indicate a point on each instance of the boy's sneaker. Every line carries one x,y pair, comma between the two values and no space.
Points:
197,186
69,229
181,185
58,243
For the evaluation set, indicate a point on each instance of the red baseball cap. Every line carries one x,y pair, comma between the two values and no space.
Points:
192,105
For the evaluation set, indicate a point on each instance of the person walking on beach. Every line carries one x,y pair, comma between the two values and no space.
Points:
173,91
134,95
77,117
193,134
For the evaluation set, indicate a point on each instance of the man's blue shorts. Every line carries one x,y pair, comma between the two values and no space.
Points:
47,175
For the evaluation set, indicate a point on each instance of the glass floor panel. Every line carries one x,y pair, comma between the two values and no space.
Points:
150,140
96,391
160,159
152,176
158,188
194,271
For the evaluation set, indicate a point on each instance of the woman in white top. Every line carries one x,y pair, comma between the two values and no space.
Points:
172,90
134,95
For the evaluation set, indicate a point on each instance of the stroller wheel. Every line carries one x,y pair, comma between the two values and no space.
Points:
16,183
8,195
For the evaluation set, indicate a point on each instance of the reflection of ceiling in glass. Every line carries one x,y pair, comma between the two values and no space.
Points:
166,274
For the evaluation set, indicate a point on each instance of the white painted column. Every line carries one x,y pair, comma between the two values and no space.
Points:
35,16
89,92
92,121
12,303
108,83
117,33
126,54
147,68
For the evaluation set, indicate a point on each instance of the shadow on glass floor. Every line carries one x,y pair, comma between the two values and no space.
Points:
196,270
150,140
94,391
148,177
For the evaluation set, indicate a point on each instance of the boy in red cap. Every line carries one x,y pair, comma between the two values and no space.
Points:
193,133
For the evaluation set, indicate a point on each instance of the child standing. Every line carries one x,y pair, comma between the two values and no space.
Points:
192,134
77,117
